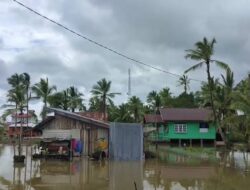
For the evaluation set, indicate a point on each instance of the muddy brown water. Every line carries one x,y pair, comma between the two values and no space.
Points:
170,171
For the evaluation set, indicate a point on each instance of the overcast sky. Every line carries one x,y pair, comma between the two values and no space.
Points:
155,32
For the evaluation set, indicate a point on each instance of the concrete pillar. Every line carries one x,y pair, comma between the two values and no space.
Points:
179,142
190,144
201,142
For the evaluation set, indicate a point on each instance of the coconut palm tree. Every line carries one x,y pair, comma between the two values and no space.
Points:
43,91
17,96
241,102
95,104
121,114
154,101
26,82
75,98
165,96
228,88
101,91
17,93
136,108
203,53
59,100
184,81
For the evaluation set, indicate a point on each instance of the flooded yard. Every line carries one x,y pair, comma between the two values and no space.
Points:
170,171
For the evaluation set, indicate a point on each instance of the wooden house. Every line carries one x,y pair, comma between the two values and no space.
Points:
181,125
64,125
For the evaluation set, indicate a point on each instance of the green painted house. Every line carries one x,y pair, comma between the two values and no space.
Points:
181,125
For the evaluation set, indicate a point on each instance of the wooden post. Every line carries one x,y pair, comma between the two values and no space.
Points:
201,142
190,144
14,147
71,149
88,142
179,142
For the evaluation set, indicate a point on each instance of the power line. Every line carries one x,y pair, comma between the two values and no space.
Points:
99,44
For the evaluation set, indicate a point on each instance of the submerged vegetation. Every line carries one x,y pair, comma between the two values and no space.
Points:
222,95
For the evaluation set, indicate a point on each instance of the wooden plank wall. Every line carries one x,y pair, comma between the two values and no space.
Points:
64,123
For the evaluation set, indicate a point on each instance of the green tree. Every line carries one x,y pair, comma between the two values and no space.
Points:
166,97
101,91
184,100
59,100
43,91
226,91
135,106
241,102
154,101
95,104
18,94
26,82
203,53
184,81
120,114
75,99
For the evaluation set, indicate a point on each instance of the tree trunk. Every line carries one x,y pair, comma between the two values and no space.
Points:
104,108
27,108
212,99
19,139
44,109
20,135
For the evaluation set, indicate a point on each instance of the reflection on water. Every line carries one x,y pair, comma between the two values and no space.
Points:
171,171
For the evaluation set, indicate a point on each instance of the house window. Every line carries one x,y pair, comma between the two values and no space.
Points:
204,127
180,128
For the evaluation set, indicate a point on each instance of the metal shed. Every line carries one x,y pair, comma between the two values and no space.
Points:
126,141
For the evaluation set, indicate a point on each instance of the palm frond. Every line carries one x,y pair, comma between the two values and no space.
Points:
194,67
221,64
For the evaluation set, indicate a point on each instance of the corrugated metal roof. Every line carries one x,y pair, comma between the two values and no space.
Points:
22,115
94,115
186,114
80,117
40,125
153,118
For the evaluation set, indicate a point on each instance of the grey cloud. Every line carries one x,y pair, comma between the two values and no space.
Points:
155,32
3,74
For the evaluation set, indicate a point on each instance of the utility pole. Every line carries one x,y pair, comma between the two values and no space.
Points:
129,83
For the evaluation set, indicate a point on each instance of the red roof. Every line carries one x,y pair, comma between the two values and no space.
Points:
152,118
186,114
22,115
93,115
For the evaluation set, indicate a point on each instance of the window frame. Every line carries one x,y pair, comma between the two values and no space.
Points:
180,128
203,127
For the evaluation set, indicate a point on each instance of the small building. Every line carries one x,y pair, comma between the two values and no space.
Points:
82,129
22,121
126,141
183,126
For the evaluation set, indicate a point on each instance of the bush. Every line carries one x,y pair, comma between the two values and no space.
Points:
237,137
1,133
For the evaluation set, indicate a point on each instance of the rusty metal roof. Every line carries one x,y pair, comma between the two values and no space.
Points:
186,114
153,118
76,116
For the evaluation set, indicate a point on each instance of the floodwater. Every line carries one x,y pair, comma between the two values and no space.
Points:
170,171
